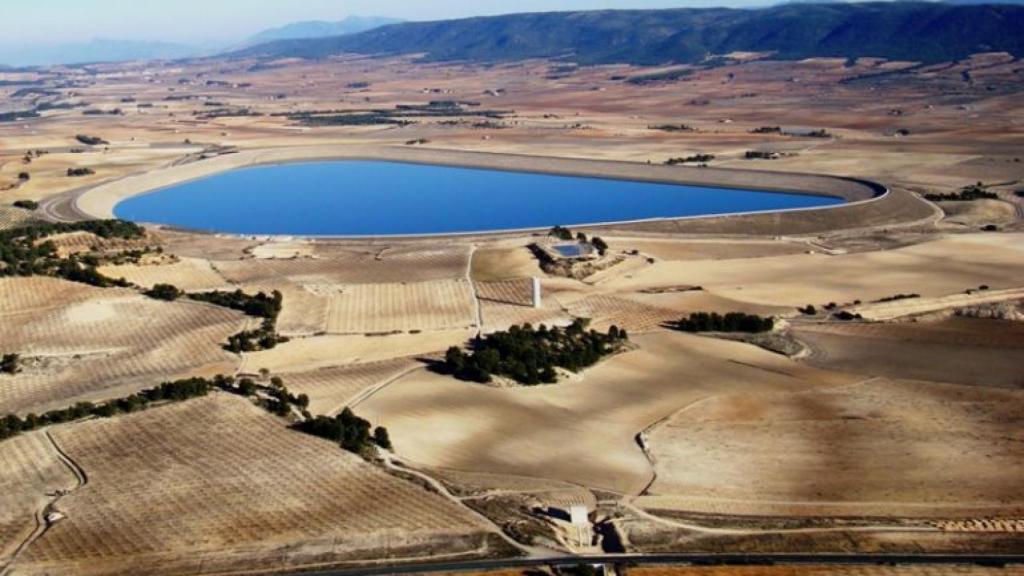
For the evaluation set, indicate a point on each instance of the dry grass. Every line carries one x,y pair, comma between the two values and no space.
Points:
303,354
981,352
189,274
347,265
879,448
937,268
580,431
216,484
499,264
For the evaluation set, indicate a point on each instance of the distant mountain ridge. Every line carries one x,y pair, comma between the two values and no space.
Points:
320,29
919,31
98,50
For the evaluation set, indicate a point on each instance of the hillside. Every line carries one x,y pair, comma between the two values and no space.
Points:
919,31
319,29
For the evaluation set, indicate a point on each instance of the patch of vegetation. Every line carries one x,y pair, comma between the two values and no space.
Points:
530,355
98,112
26,252
18,115
767,130
166,292
91,140
24,176
259,305
966,194
730,322
897,297
846,316
696,159
10,364
354,431
26,204
226,113
400,115
671,127
658,77
77,172
350,431
761,155
560,232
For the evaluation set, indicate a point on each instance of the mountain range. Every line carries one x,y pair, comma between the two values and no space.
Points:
918,31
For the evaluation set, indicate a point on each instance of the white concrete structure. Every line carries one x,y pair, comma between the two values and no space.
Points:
579,515
536,293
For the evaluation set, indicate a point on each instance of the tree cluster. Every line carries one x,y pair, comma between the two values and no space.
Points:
259,305
26,252
966,194
75,172
10,364
350,431
530,355
91,140
176,391
730,322
26,204
166,292
696,159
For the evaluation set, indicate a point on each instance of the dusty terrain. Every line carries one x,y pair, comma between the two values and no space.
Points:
898,431
219,484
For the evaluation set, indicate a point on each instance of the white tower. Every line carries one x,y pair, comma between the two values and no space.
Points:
536,293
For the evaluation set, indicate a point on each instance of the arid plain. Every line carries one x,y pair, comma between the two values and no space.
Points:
898,431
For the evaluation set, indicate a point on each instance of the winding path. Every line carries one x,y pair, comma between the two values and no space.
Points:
43,522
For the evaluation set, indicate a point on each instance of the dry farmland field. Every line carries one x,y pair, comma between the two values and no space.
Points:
216,483
881,413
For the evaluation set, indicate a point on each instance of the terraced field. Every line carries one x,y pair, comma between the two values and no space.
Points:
218,484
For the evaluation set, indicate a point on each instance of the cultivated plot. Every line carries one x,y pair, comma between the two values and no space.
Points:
218,484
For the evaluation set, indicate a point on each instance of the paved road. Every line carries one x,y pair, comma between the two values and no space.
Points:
683,559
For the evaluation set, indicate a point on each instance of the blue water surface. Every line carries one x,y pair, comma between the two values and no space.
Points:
362,198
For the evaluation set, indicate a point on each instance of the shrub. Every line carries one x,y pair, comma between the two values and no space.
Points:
730,322
26,204
164,292
10,364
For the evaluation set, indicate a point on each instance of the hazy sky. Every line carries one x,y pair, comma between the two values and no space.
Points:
52,21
